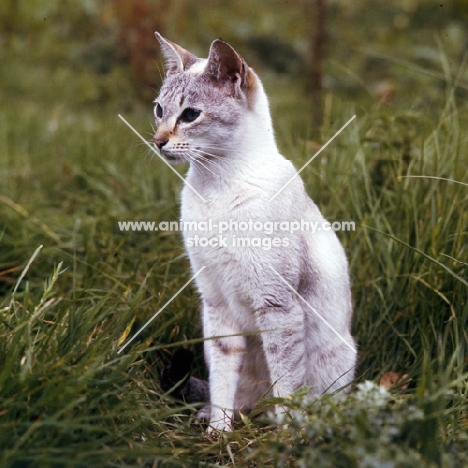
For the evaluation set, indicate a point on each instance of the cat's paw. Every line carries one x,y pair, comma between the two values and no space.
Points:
219,422
216,427
204,414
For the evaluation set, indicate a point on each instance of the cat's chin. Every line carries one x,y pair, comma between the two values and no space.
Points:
173,159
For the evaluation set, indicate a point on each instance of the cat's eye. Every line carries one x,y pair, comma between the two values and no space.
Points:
189,114
159,111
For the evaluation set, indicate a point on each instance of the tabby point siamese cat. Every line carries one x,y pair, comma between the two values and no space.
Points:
276,315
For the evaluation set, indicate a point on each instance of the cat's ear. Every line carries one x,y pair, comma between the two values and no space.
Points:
225,64
177,58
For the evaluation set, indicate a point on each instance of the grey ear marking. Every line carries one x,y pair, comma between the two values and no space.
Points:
225,64
177,58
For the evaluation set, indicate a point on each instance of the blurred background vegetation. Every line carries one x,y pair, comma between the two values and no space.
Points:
70,169
112,41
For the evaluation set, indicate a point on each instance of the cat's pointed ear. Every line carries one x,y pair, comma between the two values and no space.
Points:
225,64
177,58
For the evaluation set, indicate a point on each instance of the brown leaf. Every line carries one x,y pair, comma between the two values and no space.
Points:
392,379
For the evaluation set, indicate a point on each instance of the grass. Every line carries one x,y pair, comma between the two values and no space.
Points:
71,170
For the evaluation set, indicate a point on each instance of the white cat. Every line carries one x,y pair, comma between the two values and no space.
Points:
277,318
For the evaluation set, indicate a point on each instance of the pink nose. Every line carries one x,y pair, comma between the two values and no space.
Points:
160,141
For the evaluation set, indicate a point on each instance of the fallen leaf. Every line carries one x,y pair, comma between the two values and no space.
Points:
392,379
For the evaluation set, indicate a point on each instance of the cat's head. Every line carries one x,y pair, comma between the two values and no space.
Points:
203,106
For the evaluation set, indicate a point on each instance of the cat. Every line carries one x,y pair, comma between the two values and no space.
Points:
176,379
274,318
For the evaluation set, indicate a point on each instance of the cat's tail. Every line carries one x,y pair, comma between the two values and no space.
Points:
176,378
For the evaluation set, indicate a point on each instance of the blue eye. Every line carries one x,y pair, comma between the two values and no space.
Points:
159,111
189,114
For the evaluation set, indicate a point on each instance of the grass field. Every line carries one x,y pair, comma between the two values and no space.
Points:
74,288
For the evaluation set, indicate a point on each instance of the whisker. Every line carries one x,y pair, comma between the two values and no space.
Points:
214,146
201,155
195,167
202,152
211,149
196,159
139,143
212,155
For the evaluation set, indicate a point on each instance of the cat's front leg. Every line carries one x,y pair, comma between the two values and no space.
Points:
224,356
284,345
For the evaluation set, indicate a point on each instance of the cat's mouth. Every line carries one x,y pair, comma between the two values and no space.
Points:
172,158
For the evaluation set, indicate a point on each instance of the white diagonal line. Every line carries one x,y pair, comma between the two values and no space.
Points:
161,309
312,158
313,310
152,148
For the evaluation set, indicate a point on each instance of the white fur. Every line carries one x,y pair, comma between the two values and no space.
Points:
240,291
197,68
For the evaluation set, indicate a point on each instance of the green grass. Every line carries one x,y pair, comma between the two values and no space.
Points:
70,170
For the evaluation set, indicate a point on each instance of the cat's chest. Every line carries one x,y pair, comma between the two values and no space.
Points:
233,203
220,233
224,232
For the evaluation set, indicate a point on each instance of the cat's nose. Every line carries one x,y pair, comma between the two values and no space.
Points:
160,141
